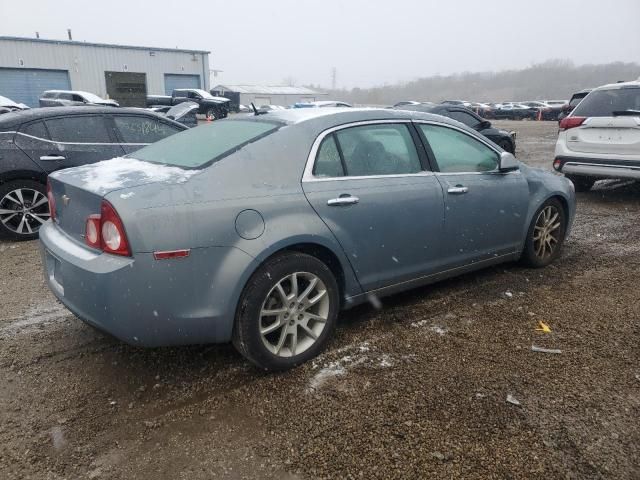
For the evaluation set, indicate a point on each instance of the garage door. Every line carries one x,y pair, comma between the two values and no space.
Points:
25,85
172,80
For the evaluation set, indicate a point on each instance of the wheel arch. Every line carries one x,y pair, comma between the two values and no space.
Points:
12,175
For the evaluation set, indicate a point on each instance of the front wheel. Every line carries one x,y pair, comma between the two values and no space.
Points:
287,312
546,235
23,209
211,114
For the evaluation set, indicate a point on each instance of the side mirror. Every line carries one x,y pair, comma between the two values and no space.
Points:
484,125
508,162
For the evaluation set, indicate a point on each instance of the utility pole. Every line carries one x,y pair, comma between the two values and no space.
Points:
334,74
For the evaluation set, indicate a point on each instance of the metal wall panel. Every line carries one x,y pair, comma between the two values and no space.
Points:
173,81
25,85
88,63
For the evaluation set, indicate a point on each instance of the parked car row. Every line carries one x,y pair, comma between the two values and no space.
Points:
525,110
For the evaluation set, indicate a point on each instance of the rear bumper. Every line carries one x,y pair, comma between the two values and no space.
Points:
143,301
598,167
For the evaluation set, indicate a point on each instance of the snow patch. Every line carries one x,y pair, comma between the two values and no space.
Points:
124,196
102,177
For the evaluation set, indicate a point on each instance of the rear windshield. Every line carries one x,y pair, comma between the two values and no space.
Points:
602,103
206,144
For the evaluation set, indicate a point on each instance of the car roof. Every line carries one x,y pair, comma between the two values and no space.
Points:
18,118
329,117
613,86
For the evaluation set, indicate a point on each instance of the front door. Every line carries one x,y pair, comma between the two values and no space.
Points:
485,209
372,189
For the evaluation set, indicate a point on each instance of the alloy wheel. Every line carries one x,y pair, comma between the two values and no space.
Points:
24,210
546,232
294,314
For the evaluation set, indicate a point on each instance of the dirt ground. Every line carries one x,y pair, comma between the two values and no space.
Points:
416,389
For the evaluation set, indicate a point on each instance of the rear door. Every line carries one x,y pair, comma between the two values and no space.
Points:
80,139
373,189
136,131
606,130
485,209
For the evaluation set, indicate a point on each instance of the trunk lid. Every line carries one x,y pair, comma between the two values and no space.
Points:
606,135
78,192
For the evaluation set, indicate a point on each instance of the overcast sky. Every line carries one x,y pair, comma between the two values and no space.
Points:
368,42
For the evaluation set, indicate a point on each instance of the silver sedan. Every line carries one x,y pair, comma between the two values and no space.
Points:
260,229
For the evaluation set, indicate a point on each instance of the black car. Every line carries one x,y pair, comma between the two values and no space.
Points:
506,140
576,98
212,107
34,143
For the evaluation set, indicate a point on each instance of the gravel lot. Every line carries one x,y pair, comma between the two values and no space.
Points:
417,389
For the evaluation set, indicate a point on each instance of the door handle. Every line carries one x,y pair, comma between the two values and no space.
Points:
343,200
457,190
52,158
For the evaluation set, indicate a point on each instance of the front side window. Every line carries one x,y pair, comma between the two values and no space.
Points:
79,129
378,150
200,146
457,152
140,129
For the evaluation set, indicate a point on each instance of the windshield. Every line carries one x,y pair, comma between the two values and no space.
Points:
206,144
602,103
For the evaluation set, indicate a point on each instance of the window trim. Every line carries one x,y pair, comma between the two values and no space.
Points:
308,176
478,137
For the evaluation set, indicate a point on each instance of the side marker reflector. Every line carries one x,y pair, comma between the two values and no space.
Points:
164,255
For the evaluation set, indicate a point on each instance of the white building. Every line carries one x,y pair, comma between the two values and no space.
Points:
29,66
267,95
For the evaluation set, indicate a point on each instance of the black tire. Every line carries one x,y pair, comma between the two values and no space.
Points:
261,289
532,255
24,224
211,114
581,184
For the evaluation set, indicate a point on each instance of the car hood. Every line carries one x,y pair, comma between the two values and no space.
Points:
180,110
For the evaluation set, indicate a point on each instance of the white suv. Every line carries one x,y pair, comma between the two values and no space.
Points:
601,137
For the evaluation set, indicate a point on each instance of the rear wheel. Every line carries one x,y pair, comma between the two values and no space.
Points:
546,235
287,312
582,184
23,209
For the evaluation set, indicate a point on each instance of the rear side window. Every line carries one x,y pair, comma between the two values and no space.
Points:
378,150
36,129
328,163
602,103
139,129
457,152
79,129
206,144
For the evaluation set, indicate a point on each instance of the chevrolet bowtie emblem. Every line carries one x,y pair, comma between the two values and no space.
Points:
66,199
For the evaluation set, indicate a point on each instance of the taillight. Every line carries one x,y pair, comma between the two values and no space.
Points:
114,238
106,231
92,231
52,201
557,163
571,122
